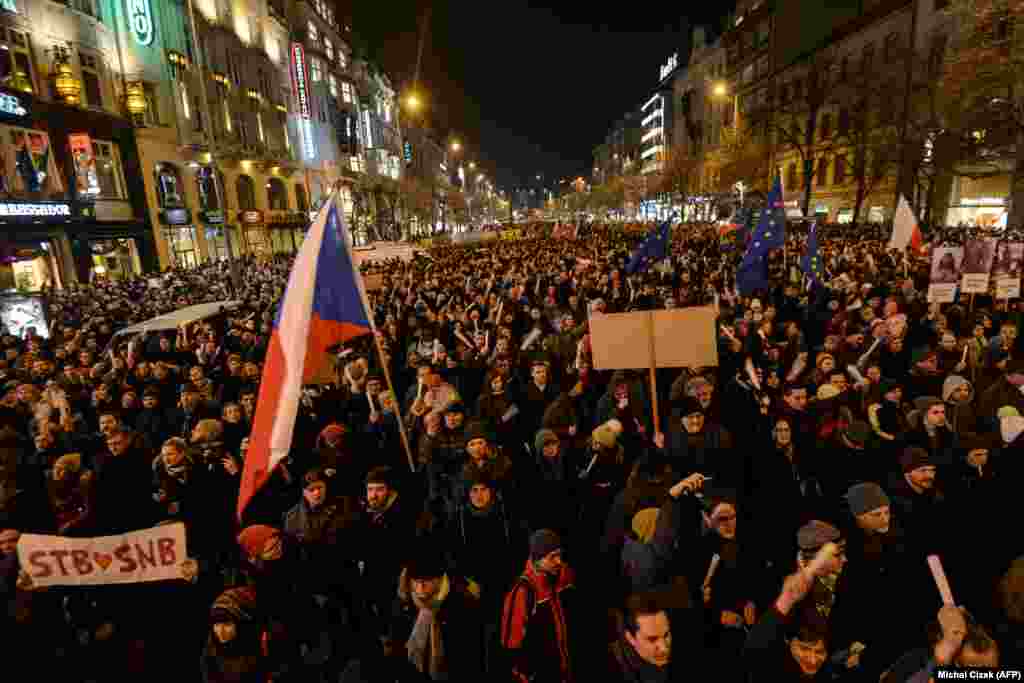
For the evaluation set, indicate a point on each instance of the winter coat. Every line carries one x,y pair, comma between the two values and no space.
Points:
649,566
537,626
767,656
1000,393
486,546
325,538
960,415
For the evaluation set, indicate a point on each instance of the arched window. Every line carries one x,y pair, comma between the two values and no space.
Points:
170,190
246,192
301,201
208,196
277,195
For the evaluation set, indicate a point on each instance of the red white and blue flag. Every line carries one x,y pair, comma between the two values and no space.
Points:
324,305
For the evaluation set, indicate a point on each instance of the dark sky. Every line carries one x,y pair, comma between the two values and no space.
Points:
530,89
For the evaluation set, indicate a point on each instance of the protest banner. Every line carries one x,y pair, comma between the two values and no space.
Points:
1006,269
945,274
511,234
682,337
977,262
155,554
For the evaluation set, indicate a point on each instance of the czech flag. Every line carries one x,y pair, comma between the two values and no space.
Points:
324,305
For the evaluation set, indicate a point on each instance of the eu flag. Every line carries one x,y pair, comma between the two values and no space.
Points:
811,262
654,248
770,234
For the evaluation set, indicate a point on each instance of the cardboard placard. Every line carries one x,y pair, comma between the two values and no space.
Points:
136,557
683,337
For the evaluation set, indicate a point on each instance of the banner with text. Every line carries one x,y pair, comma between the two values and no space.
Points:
138,556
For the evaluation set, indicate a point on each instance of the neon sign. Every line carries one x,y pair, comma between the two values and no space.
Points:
300,83
669,66
140,21
10,104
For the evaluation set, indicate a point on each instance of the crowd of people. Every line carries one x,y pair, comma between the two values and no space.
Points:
477,501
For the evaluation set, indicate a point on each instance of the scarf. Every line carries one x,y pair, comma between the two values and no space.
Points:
425,647
378,515
634,669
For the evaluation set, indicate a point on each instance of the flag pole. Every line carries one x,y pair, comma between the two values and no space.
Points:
380,351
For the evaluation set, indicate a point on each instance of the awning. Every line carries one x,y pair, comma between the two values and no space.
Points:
183,316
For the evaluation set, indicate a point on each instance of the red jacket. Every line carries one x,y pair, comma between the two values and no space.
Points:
535,628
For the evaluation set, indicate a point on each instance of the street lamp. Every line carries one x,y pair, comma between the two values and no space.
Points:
456,146
720,90
413,102
472,165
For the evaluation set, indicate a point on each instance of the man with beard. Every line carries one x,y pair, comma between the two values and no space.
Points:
919,503
704,448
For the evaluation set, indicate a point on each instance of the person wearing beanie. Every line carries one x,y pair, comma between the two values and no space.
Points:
437,619
933,432
538,625
233,652
919,502
552,478
648,554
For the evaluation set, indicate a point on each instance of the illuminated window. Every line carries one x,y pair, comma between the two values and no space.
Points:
108,170
329,49
346,92
342,59
185,105
311,33
227,115
316,70
91,80
356,163
332,82
259,126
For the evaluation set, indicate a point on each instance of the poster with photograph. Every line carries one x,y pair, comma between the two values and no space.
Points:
18,313
86,180
945,274
1006,269
977,262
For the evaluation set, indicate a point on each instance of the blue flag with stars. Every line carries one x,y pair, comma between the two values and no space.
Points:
654,248
811,262
770,234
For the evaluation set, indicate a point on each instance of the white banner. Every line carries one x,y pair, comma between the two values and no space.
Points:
153,554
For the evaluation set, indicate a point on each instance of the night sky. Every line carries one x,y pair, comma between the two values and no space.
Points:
529,89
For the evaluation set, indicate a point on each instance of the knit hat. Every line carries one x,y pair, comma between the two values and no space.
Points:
605,435
644,524
1007,411
827,391
924,403
858,432
544,542
913,458
456,407
815,534
234,605
543,437
477,430
865,497
1011,427
254,538
380,475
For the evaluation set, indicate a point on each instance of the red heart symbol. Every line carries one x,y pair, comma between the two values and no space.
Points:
103,560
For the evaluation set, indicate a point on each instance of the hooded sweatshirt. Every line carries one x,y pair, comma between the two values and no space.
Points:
959,414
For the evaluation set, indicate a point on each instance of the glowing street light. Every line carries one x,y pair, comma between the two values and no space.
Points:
413,102
720,90
456,146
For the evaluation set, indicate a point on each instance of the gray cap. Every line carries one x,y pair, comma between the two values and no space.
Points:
866,497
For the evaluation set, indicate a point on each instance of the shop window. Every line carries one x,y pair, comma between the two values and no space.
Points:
277,195
29,170
245,189
301,199
152,115
108,170
91,81
15,63
170,190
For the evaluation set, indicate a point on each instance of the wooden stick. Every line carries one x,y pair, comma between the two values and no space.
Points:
712,568
654,378
941,582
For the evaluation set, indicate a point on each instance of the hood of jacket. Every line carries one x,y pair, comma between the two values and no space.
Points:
952,383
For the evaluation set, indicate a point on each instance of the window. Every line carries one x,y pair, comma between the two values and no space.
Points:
108,170
368,128
840,173
90,7
329,49
277,195
29,153
892,46
342,59
825,127
228,126
346,92
332,83
259,126
168,185
301,199
823,172
355,163
91,80
316,70
14,59
867,57
245,190
312,34
208,196
152,115
844,121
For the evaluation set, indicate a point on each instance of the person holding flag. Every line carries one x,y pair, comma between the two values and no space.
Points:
654,248
811,263
752,274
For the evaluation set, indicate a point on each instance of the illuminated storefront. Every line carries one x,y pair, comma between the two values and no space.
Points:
979,202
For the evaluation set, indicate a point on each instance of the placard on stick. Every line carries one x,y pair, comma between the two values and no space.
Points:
683,337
